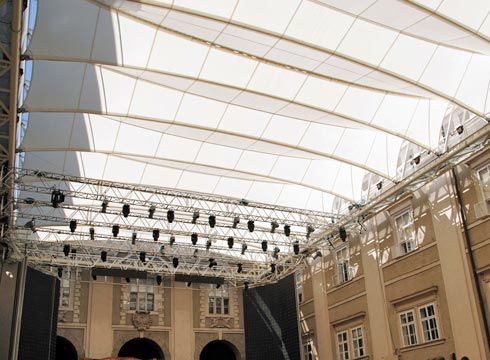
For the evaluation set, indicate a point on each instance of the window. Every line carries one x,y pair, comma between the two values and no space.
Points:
357,342
409,333
299,287
141,296
350,343
218,300
484,179
429,323
406,232
419,324
308,350
343,343
66,289
343,268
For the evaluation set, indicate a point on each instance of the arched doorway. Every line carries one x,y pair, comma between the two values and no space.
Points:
219,349
141,348
65,349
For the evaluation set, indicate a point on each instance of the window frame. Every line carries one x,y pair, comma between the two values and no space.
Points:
352,352
343,267
401,243
139,291
360,351
221,296
299,287
71,287
418,322
481,185
308,350
341,352
434,317
407,325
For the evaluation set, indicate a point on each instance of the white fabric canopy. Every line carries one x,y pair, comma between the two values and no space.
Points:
282,101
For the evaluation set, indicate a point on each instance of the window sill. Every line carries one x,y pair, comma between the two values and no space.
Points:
141,312
423,345
220,315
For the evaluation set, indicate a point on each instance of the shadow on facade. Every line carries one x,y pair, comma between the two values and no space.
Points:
219,349
141,348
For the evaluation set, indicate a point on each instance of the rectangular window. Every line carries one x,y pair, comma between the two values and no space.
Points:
406,232
484,179
218,300
65,289
308,350
343,268
407,320
343,344
299,287
141,296
429,323
357,342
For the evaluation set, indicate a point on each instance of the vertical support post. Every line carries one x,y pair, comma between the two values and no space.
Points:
18,304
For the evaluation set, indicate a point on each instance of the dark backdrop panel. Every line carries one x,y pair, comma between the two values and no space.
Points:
39,317
271,322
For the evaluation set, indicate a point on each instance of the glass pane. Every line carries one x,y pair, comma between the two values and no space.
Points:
225,306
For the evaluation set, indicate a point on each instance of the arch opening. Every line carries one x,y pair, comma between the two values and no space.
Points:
65,350
142,349
219,349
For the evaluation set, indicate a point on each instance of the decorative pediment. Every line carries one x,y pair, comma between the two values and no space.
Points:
219,322
141,321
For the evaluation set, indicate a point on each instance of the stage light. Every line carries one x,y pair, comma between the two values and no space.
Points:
309,230
264,245
239,268
66,250
73,253
276,252
342,233
196,251
151,211
194,238
274,226
60,272
31,224
162,249
218,285
94,277
128,280
287,230
175,262
57,197
416,160
460,129
125,210
379,185
244,248
245,285
103,256
73,225
189,284
159,280
115,230
142,256
92,233
296,247
244,202
236,221
250,225
170,216
104,205
156,234
273,268
133,238
212,221
212,262
317,255
195,216
231,241
208,244
172,240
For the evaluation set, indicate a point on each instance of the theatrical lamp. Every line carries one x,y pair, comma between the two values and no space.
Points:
274,226
416,160
250,225
194,238
212,262
73,225
212,221
162,249
296,247
342,233
275,254
195,216
172,240
287,230
460,129
245,285
73,253
239,268
57,197
273,268
231,241
264,245
379,185
94,277
31,224
66,250
151,211
103,256
133,238
156,234
309,230
92,233
159,280
208,244
128,280
142,256
244,248
104,206
60,272
236,221
218,285
317,255
196,251
188,284
170,216
125,210
115,230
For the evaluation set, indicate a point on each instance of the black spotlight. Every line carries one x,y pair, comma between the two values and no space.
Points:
151,211
60,272
231,241
189,284
296,247
195,216
212,221
317,255
218,285
245,285
460,129
104,206
73,225
287,230
274,226
57,197
212,262
103,256
416,160
264,245
162,249
236,221
115,230
142,256
309,230
208,244
239,268
133,238
379,185
170,216
172,240
250,225
128,280
244,248
175,262
159,280
66,250
276,252
125,210
94,277
156,234
92,233
194,238
342,233
273,268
